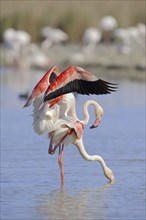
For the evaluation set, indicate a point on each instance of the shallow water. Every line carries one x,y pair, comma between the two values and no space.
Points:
30,181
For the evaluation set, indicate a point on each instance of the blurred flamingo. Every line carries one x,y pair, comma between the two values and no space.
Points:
107,25
52,36
15,43
91,38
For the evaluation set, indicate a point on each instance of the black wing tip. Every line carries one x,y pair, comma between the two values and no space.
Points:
106,82
98,87
108,87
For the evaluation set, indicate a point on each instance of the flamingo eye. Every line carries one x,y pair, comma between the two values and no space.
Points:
52,77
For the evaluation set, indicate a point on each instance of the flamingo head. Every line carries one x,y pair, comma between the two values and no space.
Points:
43,84
109,174
99,114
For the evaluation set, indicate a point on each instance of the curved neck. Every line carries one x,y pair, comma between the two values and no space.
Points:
97,108
79,144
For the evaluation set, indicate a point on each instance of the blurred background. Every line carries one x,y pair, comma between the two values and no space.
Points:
38,34
108,39
71,16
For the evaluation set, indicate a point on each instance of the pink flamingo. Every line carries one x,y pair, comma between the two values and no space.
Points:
44,115
72,132
57,115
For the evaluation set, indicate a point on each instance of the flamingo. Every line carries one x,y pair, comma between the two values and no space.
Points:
55,35
45,115
107,25
52,36
16,43
91,38
61,105
72,132
43,118
54,106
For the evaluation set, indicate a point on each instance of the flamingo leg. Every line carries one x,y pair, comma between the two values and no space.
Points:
50,149
60,161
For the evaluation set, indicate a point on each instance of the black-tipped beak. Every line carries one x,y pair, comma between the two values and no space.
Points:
29,101
96,123
93,126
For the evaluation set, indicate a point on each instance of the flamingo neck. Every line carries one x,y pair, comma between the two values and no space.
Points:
71,111
97,107
86,114
79,144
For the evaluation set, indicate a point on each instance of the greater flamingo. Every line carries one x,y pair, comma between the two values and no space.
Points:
107,25
91,38
61,105
43,118
54,106
71,132
44,115
52,36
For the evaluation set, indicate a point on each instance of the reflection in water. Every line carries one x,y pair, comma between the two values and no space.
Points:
86,204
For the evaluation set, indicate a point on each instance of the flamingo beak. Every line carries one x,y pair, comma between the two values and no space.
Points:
96,123
29,101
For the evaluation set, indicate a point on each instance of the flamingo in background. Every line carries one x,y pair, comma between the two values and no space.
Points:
15,43
52,36
91,38
54,106
107,25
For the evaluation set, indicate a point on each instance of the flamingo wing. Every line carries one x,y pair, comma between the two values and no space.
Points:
76,79
43,84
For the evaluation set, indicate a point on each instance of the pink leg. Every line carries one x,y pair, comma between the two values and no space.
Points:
60,161
52,150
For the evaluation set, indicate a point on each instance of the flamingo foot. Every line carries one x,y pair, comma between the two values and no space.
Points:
52,150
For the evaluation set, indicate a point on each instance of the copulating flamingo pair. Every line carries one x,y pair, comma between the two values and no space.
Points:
54,110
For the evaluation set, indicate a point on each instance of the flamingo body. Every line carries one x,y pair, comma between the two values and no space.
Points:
72,132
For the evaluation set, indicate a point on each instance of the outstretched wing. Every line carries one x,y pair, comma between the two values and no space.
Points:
83,87
80,81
